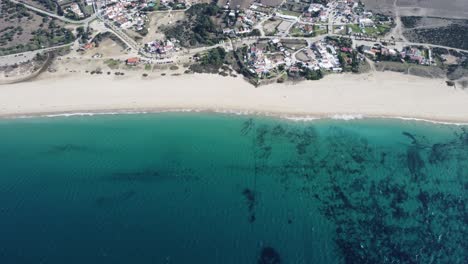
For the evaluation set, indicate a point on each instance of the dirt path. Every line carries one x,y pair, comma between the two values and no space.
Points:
397,31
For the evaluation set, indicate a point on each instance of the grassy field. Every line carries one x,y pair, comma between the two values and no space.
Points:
371,31
290,13
355,28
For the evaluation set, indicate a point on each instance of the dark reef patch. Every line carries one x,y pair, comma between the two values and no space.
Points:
251,201
247,126
414,162
438,153
381,214
269,255
410,136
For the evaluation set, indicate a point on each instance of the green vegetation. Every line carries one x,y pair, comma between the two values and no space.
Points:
319,31
455,35
355,28
378,30
210,61
305,73
214,57
410,21
50,5
311,74
108,35
8,33
11,12
83,34
340,41
22,30
198,29
290,13
88,10
349,61
53,35
113,64
154,6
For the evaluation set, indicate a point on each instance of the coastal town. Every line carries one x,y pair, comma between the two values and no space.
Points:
233,131
265,42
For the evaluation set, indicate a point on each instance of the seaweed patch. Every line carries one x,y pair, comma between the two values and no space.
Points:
389,205
269,255
414,162
251,201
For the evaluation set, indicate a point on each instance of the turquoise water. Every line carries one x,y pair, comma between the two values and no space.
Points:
207,188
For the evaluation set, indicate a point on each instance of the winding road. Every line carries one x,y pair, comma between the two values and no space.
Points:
64,19
136,47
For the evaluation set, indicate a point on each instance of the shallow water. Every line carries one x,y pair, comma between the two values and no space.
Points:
210,188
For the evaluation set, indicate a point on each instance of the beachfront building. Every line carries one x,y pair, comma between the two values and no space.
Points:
160,47
327,56
132,61
416,55
263,62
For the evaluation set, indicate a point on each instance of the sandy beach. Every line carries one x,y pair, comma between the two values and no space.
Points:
380,94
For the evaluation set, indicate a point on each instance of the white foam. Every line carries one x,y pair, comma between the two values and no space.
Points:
426,120
92,114
347,117
301,118
298,118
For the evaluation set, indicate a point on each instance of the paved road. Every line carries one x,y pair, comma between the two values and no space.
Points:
135,47
64,19
26,56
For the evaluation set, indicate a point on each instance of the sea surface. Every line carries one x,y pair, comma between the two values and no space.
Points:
213,188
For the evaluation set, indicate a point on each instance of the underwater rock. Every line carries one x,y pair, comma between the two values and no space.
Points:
383,155
247,126
250,196
341,196
260,138
438,153
264,152
269,256
464,137
414,162
278,131
251,201
252,218
424,198
413,138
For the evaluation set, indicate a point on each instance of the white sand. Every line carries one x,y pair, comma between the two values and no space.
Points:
376,95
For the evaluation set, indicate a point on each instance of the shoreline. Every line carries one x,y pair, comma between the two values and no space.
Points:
378,95
230,112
